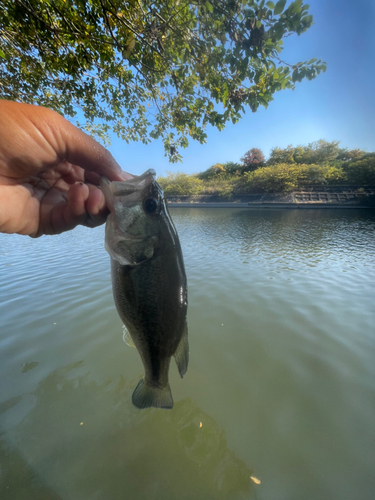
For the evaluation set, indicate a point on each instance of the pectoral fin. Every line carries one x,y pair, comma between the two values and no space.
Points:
182,353
126,337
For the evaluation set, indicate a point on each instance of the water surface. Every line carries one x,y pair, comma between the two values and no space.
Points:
281,382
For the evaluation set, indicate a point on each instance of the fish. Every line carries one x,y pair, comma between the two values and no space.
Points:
148,281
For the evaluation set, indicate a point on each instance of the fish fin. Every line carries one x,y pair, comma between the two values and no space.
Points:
126,337
145,396
182,353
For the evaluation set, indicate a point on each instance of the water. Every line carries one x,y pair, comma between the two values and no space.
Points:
281,382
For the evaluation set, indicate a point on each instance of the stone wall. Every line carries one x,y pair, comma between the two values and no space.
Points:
335,195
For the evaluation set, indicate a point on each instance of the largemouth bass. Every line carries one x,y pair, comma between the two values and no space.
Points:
149,282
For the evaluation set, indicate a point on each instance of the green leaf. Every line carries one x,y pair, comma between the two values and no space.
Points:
295,7
279,30
270,5
209,6
308,19
2,54
279,7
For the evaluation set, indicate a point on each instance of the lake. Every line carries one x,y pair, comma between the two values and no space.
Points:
279,398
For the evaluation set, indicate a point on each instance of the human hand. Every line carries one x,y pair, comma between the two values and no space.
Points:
49,172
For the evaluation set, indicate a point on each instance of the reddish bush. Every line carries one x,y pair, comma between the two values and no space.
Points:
253,159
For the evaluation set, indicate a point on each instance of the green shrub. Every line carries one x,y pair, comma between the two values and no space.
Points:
224,186
225,191
335,175
313,175
284,178
213,171
362,171
178,183
232,168
280,178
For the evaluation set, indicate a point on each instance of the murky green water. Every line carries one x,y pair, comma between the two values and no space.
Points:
281,382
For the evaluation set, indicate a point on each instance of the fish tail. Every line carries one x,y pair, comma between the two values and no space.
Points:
145,396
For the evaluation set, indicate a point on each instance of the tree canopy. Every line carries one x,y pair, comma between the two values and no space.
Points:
252,159
150,69
315,152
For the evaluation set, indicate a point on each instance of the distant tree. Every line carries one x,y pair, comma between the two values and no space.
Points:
317,152
279,155
252,159
346,154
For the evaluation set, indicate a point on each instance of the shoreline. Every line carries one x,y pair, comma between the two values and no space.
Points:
322,197
271,206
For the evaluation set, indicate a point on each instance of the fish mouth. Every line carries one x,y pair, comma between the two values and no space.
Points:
124,188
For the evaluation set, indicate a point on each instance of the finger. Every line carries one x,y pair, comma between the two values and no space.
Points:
73,173
81,149
64,215
34,139
78,174
70,173
92,178
96,207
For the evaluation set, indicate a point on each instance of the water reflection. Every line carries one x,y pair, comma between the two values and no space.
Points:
278,240
107,449
299,231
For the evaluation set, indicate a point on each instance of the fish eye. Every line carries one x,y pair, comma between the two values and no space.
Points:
150,205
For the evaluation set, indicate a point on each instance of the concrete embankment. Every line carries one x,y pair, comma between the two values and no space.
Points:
323,198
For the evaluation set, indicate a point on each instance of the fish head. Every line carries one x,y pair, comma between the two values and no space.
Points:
133,226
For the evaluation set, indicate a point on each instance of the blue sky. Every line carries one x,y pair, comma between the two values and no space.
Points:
337,105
